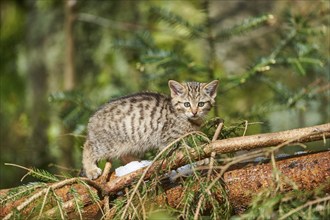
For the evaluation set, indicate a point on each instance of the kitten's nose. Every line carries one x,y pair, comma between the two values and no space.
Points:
194,111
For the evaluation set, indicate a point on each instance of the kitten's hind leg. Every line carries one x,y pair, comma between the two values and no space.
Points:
90,162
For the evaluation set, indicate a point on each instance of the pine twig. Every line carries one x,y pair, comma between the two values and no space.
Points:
310,203
201,199
43,202
106,207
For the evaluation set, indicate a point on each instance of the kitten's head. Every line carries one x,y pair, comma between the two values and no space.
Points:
193,100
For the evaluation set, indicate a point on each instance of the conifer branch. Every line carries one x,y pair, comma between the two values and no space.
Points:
310,203
244,27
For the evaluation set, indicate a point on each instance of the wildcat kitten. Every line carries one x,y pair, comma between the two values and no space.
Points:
134,124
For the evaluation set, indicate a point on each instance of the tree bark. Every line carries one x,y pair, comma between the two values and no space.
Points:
308,172
69,73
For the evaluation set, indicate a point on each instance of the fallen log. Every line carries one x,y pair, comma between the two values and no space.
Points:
307,172
178,159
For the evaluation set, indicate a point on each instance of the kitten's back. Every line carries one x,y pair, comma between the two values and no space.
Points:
131,120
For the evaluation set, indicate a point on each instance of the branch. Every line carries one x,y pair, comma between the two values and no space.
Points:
299,135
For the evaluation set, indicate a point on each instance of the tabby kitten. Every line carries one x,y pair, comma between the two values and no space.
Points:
134,124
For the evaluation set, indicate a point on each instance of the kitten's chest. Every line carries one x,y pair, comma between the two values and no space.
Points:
175,128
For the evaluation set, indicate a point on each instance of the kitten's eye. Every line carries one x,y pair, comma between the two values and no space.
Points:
186,104
201,104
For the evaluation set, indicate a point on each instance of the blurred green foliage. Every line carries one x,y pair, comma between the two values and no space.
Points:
272,60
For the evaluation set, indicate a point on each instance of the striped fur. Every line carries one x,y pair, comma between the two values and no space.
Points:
134,124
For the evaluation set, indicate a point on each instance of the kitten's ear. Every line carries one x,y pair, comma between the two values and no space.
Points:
211,88
176,88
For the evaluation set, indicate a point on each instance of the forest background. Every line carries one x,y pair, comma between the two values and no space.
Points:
61,60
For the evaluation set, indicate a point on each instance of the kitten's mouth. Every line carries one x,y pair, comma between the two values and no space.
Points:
194,117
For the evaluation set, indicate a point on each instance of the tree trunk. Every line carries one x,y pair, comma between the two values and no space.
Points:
66,141
69,73
37,88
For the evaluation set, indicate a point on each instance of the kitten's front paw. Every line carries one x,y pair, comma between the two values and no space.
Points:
93,173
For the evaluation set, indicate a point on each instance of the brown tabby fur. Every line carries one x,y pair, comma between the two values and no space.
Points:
134,124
